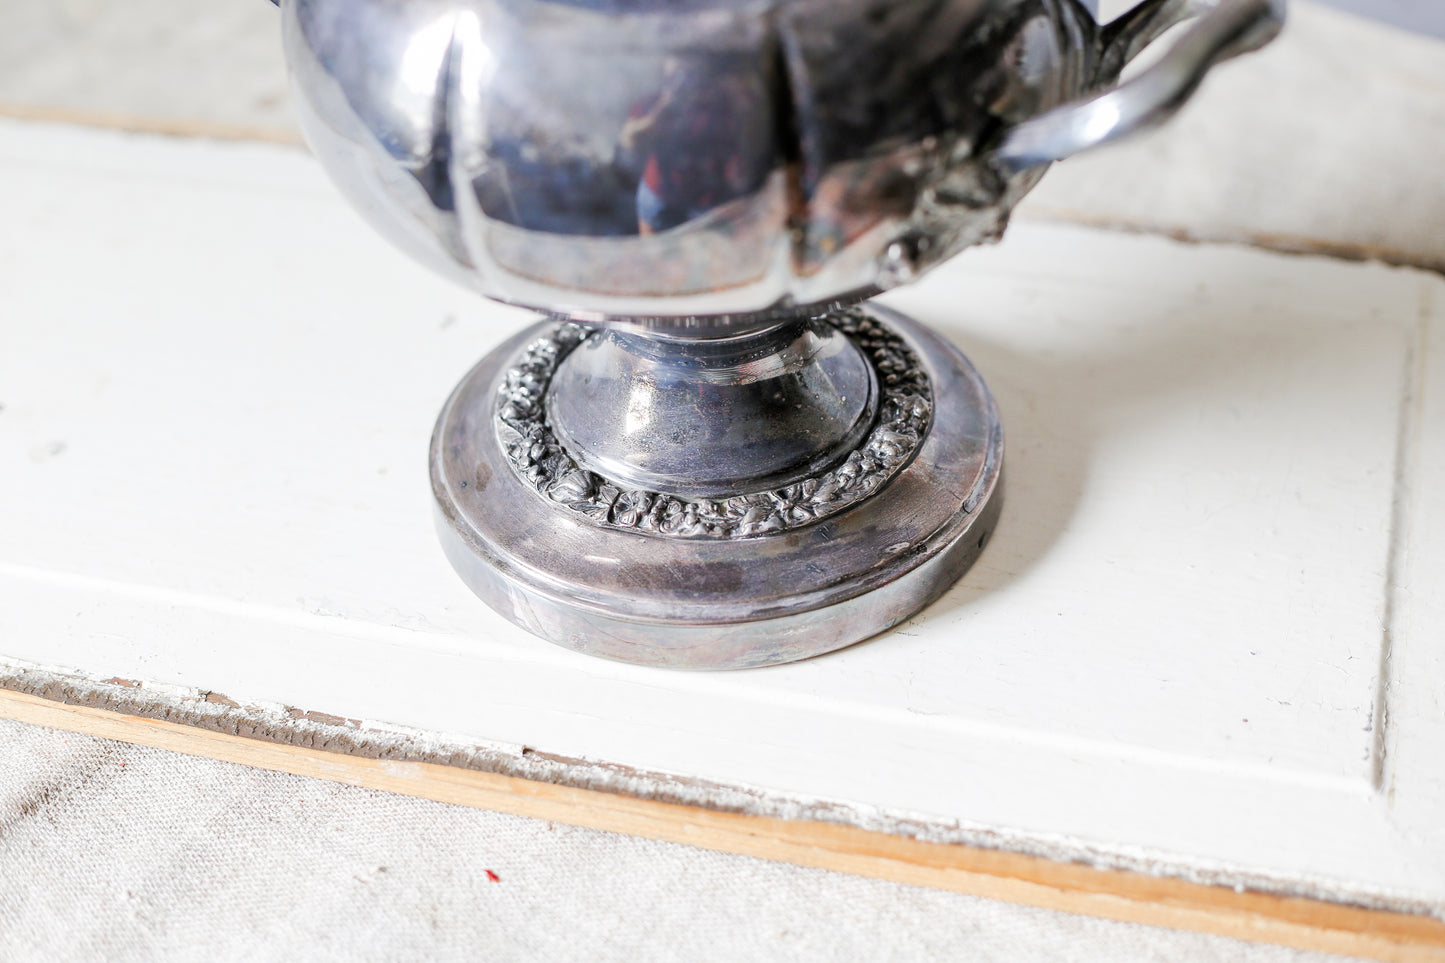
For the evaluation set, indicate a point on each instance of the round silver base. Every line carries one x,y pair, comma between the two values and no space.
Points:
662,581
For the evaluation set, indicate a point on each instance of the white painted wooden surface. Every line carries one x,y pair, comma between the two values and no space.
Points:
217,389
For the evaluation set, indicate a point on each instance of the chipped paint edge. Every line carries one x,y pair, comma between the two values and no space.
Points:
319,732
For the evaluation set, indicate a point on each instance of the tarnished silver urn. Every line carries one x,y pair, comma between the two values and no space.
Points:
712,454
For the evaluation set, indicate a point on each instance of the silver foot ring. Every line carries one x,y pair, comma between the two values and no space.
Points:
720,603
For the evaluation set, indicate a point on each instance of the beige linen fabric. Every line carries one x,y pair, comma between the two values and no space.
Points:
121,853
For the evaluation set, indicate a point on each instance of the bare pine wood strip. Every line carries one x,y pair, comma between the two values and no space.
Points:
1109,894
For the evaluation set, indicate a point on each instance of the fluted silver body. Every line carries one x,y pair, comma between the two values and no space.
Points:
720,159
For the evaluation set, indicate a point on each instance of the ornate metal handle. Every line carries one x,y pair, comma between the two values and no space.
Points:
1226,29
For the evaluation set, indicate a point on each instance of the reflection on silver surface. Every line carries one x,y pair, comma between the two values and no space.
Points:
705,158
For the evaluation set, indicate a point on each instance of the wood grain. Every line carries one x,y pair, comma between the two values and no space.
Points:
1110,894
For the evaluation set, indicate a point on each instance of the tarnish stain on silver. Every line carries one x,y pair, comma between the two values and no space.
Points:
706,458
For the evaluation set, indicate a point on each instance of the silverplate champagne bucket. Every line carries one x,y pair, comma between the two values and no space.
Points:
712,454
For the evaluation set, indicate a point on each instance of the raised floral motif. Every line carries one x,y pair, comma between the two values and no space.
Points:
905,409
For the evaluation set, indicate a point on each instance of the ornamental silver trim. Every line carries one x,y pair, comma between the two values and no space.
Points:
542,464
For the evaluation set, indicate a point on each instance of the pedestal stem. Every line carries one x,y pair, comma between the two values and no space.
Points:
713,419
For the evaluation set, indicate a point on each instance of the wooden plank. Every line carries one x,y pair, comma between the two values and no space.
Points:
1110,894
211,461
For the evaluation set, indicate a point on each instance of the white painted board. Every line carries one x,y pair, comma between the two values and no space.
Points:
218,387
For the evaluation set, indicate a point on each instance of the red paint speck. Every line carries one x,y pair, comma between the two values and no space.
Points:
493,877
